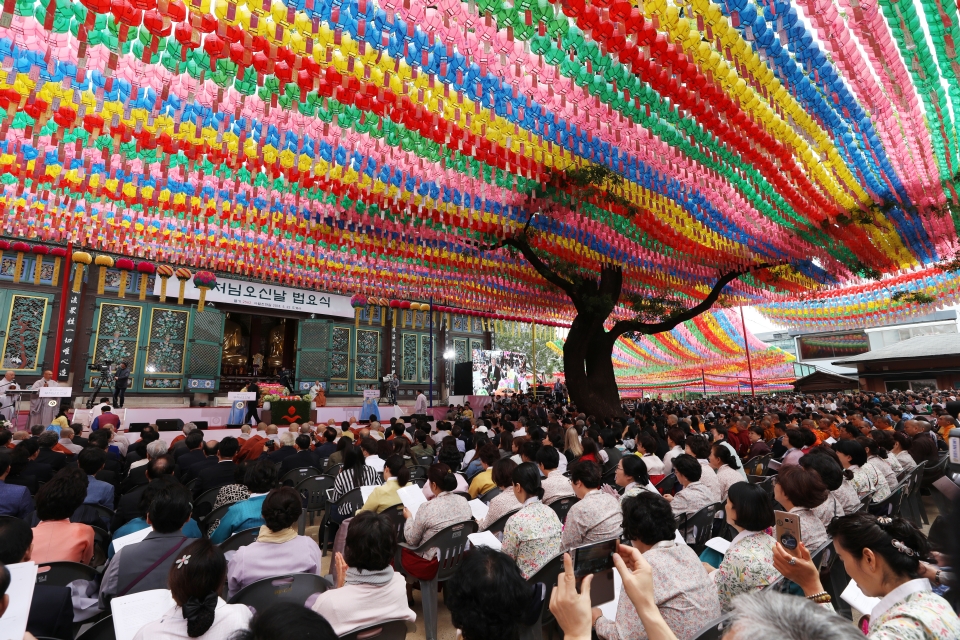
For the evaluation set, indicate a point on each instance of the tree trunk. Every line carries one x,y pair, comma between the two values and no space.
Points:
588,368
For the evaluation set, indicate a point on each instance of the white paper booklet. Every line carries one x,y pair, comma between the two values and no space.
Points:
412,498
23,578
479,509
131,538
485,539
853,596
131,613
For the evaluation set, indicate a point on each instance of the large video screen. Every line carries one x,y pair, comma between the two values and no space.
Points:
499,372
842,345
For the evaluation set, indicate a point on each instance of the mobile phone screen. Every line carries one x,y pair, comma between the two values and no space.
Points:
594,558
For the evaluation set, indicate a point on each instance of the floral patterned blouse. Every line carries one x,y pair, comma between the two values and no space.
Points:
829,509
917,614
595,518
635,488
885,470
747,566
812,531
906,460
893,462
686,598
727,477
709,477
847,496
532,536
433,517
868,479
502,504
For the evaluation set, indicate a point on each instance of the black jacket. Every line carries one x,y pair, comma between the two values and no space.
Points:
51,613
215,475
55,459
187,460
299,460
281,454
128,507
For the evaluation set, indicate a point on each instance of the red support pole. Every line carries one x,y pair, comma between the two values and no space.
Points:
703,379
64,297
746,346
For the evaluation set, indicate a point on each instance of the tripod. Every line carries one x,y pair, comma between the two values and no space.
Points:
105,380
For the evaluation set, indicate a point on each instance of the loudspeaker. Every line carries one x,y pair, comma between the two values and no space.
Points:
137,427
201,424
170,425
463,379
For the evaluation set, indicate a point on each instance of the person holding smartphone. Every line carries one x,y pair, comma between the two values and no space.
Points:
800,491
684,594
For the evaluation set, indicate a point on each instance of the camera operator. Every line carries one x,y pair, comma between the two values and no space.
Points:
121,382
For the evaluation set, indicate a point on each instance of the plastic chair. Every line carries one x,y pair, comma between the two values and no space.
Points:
424,461
296,476
351,500
314,493
420,482
417,472
715,629
213,516
101,542
102,630
501,522
490,495
60,574
192,484
562,506
334,470
466,496
240,539
105,514
295,587
667,483
450,544
700,525
207,497
548,575
392,630
915,511
889,506
395,514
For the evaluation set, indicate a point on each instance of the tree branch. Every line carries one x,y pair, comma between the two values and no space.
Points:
649,328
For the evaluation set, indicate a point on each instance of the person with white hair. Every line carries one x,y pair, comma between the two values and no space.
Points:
8,401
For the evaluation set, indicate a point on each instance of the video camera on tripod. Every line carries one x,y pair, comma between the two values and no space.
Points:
105,379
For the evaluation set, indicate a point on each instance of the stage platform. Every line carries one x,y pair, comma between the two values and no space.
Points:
216,417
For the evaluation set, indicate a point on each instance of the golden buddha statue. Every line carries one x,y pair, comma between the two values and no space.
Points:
277,334
234,353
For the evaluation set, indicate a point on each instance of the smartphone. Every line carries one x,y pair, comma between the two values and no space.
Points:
594,558
788,531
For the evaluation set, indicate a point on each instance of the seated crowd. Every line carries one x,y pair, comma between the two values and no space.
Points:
543,478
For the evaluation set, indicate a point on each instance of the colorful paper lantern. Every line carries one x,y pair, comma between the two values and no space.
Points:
146,269
204,280
125,265
104,262
164,272
81,259
183,275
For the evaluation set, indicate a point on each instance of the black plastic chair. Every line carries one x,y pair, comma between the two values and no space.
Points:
101,543
334,470
213,516
417,472
395,513
889,506
295,587
497,527
562,506
490,495
450,544
666,484
463,494
715,629
757,465
314,493
102,630
548,575
295,476
240,539
105,514
60,574
912,501
192,484
351,501
420,482
208,497
392,630
424,461
700,525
